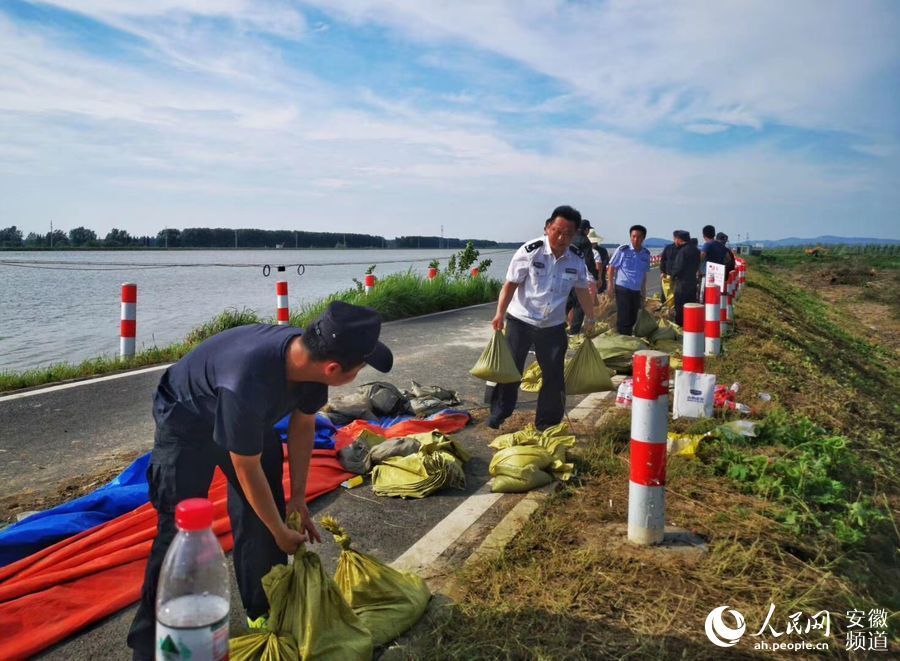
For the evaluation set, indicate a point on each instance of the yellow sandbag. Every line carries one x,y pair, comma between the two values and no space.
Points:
531,378
418,475
556,439
668,289
496,362
510,479
663,332
645,324
521,456
306,609
617,350
263,646
387,601
669,346
586,372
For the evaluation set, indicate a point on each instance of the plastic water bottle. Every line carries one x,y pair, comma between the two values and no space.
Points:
193,600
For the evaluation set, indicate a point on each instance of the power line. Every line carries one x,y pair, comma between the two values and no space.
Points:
117,266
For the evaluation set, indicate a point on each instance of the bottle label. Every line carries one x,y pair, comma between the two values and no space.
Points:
207,643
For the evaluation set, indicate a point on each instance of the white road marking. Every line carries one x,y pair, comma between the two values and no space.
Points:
437,540
75,384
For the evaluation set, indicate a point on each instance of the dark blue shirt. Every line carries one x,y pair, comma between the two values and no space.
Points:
715,251
233,388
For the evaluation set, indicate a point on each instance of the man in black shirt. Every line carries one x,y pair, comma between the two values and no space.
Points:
581,241
683,270
217,407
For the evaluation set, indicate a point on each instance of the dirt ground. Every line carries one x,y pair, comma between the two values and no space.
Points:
870,297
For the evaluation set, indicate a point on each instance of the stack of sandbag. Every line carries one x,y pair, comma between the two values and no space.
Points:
438,463
387,601
308,616
528,459
617,350
496,362
668,337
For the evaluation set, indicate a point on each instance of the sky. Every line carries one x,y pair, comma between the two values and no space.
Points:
767,119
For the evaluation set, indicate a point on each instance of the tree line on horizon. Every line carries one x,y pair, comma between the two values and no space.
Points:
223,237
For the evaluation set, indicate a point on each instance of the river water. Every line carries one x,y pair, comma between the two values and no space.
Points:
64,306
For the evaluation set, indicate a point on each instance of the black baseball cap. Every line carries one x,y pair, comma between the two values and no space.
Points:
351,333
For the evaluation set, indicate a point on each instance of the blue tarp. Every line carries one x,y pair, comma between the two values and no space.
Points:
123,494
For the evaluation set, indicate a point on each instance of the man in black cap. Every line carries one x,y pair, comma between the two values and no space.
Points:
683,269
730,263
217,407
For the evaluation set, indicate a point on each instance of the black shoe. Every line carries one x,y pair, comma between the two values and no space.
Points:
493,423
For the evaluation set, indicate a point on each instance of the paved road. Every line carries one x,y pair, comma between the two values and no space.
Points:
64,434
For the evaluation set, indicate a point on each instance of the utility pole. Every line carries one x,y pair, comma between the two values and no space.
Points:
296,240
51,233
441,244
167,237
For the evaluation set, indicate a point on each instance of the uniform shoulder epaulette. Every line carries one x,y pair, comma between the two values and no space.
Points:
534,245
577,251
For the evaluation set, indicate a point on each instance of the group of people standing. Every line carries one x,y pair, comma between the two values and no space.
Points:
558,277
683,262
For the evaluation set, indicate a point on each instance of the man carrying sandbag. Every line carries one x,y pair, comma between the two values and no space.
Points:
532,306
217,407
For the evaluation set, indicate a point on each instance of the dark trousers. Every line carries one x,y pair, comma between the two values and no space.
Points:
550,346
180,470
628,303
573,304
685,292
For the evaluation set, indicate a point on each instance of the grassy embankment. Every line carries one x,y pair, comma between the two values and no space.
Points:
396,296
803,516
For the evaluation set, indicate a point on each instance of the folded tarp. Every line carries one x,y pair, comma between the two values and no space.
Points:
97,572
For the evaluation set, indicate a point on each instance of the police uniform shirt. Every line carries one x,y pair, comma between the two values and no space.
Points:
232,388
631,266
544,283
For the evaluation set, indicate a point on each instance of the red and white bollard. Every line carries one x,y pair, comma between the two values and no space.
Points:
649,430
432,273
370,283
729,303
694,345
128,323
282,307
713,326
475,273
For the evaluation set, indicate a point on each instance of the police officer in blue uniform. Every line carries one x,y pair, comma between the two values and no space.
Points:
532,308
217,407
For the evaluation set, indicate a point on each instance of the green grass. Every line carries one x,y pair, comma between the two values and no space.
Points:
802,516
396,296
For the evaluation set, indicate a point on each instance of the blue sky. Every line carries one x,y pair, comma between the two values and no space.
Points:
389,117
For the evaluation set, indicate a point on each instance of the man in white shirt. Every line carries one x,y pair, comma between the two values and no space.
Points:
532,306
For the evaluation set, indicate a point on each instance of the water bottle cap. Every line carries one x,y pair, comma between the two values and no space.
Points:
194,514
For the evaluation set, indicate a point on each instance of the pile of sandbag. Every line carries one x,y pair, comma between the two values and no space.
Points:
529,459
380,399
312,616
437,463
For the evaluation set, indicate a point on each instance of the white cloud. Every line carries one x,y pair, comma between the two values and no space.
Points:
706,128
214,126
